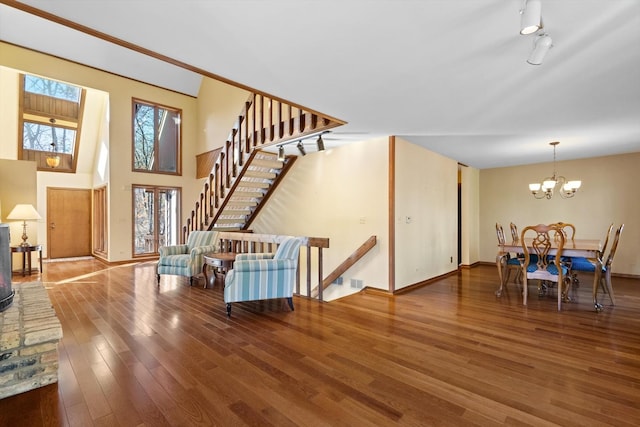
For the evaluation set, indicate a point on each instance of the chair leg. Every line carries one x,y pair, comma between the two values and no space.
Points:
609,288
290,302
228,309
191,281
158,278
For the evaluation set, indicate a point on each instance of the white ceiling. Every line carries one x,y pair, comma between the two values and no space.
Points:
450,75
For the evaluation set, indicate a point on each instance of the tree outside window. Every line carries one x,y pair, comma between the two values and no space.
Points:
156,218
156,138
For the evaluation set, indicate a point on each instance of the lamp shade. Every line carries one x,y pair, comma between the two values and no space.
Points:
540,48
531,19
24,212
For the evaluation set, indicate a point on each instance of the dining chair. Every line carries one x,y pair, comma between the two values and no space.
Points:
569,230
514,232
589,265
544,269
506,261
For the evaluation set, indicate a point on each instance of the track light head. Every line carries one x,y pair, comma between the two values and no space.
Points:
301,148
531,17
281,153
320,143
541,46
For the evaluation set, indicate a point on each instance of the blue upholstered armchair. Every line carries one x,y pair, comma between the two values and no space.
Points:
186,260
261,276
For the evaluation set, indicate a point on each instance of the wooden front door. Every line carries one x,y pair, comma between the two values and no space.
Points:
68,222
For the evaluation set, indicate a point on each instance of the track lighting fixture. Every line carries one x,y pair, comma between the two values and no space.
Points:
320,143
281,153
541,46
531,17
301,148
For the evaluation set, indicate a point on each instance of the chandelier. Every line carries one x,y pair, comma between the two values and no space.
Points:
544,190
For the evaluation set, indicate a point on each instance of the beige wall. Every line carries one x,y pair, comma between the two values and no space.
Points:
609,193
219,105
18,186
340,194
470,201
426,222
343,194
116,137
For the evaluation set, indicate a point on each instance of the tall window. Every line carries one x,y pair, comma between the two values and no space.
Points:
50,118
156,218
156,138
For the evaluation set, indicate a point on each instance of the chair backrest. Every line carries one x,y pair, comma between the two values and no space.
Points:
288,249
500,234
514,232
569,230
614,247
606,239
542,243
201,238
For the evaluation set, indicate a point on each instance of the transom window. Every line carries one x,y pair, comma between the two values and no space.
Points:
50,118
156,138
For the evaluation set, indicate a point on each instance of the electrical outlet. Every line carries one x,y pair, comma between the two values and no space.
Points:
408,220
363,220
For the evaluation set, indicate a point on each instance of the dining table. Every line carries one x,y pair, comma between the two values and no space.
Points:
587,248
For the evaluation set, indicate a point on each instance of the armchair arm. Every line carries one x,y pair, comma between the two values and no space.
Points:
173,250
262,265
244,257
199,250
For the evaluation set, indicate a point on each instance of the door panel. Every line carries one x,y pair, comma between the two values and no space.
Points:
68,222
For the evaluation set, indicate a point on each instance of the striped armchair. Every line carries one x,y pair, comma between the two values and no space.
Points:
186,260
261,276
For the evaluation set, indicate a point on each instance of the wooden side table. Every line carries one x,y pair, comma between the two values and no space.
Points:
26,256
221,263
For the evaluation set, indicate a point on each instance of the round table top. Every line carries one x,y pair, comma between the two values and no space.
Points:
26,248
222,256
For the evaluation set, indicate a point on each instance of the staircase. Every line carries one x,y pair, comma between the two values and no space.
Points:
253,186
245,175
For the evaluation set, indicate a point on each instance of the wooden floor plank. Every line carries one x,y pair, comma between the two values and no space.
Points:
449,353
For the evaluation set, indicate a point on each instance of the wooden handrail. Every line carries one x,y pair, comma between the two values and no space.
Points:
346,264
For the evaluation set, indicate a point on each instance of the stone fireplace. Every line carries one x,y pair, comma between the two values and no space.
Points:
29,336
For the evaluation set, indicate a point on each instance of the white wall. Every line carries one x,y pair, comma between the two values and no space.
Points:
609,193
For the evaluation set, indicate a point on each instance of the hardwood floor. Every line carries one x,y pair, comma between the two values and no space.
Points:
449,353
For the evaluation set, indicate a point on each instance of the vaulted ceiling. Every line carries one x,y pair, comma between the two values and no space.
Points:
450,75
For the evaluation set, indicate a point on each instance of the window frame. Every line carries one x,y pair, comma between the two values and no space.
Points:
52,116
156,189
156,145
